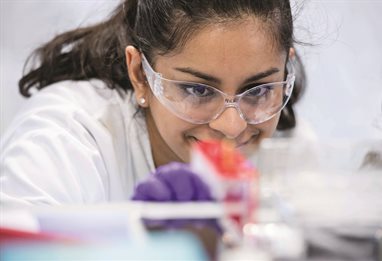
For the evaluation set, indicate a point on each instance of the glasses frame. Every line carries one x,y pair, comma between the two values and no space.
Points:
155,79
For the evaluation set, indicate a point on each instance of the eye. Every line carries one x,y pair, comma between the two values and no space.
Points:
198,90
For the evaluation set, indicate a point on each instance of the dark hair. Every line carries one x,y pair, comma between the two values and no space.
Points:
155,27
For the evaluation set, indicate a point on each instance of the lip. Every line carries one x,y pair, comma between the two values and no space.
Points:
250,140
240,145
193,139
237,145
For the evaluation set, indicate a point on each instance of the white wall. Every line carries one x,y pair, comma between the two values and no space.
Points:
344,67
26,24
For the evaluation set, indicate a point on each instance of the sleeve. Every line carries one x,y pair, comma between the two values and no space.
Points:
50,158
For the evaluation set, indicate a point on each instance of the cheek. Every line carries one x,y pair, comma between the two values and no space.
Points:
171,132
268,128
169,128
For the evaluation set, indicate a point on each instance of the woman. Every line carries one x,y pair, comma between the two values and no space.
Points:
133,93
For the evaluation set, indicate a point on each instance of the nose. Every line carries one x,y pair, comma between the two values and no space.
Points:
229,123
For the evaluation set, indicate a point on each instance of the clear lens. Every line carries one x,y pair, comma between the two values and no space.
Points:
263,102
197,103
200,103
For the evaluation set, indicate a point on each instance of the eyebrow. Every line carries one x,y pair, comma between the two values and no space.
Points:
215,80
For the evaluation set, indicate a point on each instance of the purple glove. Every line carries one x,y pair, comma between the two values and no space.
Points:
173,182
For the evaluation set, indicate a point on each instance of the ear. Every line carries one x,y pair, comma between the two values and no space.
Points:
137,76
292,53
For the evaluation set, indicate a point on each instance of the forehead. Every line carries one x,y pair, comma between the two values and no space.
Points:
247,39
244,32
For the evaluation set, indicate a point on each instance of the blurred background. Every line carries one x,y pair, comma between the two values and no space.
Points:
342,55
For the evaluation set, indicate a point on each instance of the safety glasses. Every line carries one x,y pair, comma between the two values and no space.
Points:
200,103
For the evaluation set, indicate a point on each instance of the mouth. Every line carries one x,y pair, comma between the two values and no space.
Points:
251,140
193,139
236,144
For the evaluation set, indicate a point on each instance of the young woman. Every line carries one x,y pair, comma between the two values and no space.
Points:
130,94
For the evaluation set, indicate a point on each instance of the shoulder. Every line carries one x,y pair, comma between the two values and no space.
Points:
69,105
84,111
90,96
60,146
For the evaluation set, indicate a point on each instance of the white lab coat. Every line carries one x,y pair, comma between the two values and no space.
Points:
74,142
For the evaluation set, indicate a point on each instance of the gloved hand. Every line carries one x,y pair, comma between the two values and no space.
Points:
175,182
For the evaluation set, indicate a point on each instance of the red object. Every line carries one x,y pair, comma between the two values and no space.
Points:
228,162
8,235
237,175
